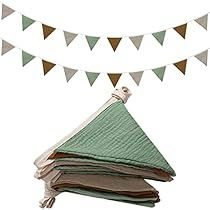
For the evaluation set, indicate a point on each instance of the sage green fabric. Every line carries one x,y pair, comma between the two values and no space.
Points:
160,72
92,41
110,196
26,57
115,136
26,22
160,36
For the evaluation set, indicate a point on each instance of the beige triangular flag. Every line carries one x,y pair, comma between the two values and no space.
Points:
69,73
47,66
136,40
69,37
203,21
203,57
6,47
181,65
6,11
47,30
181,30
114,78
136,76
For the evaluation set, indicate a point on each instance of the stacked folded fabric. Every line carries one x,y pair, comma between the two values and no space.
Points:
108,156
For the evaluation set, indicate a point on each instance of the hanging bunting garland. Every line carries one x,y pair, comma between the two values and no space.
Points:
113,77
113,41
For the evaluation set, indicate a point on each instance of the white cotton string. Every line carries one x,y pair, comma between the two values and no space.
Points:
49,197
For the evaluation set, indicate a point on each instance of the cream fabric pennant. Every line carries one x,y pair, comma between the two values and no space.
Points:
136,40
203,21
203,57
69,37
69,73
6,47
6,11
136,76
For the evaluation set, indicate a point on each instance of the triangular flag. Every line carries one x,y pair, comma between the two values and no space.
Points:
47,66
136,76
114,78
6,11
92,76
136,40
203,57
69,37
47,30
92,41
160,36
203,21
69,73
26,57
114,42
181,65
26,22
181,30
6,47
160,72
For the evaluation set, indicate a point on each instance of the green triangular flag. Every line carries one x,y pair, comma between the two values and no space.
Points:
115,135
92,41
160,72
26,57
92,76
160,36
26,22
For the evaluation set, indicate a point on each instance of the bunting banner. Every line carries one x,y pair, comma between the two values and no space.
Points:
69,72
114,42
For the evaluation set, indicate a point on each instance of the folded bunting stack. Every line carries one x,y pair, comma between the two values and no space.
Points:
108,156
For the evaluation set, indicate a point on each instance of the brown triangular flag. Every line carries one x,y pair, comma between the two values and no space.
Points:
47,30
181,30
181,65
114,42
6,47
6,11
114,78
47,66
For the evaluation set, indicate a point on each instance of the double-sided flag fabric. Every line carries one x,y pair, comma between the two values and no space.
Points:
108,156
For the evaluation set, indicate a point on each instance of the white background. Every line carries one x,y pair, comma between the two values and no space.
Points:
36,111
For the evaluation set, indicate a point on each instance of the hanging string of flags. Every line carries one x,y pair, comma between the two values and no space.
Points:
113,41
92,76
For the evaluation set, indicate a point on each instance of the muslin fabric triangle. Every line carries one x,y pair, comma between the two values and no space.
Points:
108,156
